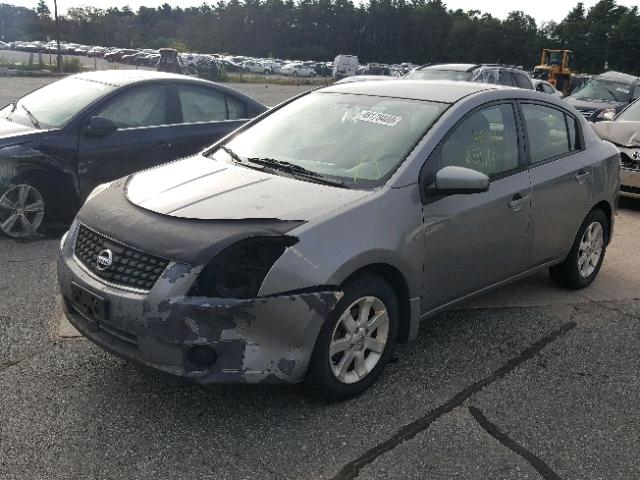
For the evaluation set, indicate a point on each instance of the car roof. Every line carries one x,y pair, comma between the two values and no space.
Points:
454,67
467,67
435,91
614,76
119,78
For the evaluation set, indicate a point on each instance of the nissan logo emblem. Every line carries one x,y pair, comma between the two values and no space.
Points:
104,260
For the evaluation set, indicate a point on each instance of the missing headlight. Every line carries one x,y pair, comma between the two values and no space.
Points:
239,270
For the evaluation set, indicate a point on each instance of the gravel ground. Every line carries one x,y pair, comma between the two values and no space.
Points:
544,391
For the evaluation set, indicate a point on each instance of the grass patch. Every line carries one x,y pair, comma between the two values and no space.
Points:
272,79
36,64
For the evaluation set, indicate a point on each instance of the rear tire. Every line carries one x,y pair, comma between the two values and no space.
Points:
356,340
584,261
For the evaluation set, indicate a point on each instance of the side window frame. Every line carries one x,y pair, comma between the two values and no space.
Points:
567,115
432,163
127,90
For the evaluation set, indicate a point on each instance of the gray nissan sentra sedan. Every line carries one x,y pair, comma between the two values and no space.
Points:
309,242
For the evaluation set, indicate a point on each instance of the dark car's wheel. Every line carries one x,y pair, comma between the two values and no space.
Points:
583,263
356,340
21,211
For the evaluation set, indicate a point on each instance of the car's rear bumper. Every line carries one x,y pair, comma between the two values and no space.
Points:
204,340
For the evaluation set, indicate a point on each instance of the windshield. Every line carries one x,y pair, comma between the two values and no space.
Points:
53,105
604,90
356,139
432,74
631,114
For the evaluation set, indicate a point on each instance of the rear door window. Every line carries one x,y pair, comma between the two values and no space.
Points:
522,81
201,104
237,108
506,78
548,133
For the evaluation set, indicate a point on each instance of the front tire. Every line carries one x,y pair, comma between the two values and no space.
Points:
584,261
22,210
356,340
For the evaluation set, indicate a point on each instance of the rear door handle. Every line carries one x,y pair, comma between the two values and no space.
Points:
164,144
517,201
582,174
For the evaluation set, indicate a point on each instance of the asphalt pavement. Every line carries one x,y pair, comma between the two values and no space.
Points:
529,382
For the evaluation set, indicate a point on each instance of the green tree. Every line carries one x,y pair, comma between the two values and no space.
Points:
42,9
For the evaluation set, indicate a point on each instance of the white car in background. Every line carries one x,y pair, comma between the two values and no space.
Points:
297,70
545,87
4,46
253,66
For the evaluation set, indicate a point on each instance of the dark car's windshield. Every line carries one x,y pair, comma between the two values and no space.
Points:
631,114
604,90
356,139
53,105
433,74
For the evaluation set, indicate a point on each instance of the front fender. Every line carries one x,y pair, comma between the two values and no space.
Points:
384,227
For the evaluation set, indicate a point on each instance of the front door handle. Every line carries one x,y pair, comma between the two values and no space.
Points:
164,144
582,175
517,201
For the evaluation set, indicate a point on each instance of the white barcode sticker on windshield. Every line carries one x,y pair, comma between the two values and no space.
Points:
378,118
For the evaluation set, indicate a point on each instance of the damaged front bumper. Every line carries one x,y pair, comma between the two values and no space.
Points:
206,340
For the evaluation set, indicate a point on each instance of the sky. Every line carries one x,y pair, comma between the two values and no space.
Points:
541,10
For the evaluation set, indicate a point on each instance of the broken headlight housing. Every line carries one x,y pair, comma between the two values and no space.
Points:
239,270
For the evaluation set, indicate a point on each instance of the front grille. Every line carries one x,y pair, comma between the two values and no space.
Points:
629,163
634,190
130,267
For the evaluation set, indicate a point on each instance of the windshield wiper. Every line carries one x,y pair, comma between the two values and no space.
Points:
33,119
295,170
236,158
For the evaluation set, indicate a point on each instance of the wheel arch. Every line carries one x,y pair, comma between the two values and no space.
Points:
608,211
397,281
52,184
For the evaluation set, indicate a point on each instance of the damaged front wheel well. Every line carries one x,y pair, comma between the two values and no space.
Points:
61,200
396,280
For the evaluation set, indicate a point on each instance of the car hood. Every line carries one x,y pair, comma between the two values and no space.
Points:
205,189
626,134
13,133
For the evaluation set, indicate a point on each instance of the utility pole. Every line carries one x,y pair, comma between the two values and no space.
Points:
55,15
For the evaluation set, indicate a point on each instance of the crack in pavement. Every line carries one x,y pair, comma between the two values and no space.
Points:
536,462
352,469
11,363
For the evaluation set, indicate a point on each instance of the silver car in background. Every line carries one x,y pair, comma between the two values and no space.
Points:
624,133
309,242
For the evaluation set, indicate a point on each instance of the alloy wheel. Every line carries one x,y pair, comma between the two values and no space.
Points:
21,211
590,249
359,339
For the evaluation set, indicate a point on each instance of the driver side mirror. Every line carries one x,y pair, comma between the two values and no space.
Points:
458,180
100,127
